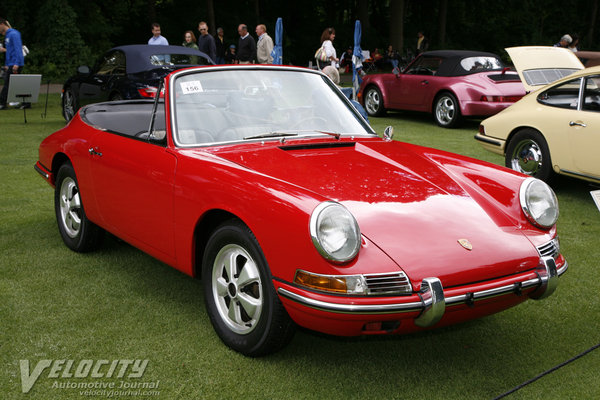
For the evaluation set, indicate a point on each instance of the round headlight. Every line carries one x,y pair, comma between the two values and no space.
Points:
539,203
335,232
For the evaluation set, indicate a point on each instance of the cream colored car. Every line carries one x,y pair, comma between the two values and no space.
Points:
556,127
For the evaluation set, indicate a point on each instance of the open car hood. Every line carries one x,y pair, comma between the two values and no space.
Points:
540,65
406,204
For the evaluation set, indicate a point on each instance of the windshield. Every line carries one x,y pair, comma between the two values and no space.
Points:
177,59
251,104
479,64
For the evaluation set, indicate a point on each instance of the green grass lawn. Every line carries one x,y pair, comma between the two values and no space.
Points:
119,303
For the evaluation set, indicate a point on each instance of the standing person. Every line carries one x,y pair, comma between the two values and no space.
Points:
13,47
220,46
156,36
422,43
189,41
206,43
564,41
264,47
327,38
230,56
246,51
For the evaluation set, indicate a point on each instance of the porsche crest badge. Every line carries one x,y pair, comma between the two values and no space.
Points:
466,244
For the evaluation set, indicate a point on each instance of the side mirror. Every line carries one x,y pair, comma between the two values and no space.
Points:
388,133
396,71
83,70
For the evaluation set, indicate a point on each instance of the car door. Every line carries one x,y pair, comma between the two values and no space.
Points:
584,129
413,87
96,87
133,180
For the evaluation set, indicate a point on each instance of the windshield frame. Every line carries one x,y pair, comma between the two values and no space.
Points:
173,77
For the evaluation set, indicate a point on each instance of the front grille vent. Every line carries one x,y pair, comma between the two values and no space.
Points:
550,249
394,283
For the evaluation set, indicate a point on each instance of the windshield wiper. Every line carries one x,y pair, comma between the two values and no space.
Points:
293,132
271,134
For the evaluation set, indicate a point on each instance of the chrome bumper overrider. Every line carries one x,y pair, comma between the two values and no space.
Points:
433,301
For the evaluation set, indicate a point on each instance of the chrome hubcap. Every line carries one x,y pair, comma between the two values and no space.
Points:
445,110
372,101
69,107
70,207
526,157
237,289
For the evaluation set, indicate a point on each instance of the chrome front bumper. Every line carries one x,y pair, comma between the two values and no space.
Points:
433,300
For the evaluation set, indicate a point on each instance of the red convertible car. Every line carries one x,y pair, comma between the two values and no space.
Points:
450,84
265,182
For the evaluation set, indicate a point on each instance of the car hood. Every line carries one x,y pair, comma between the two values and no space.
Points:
540,65
406,204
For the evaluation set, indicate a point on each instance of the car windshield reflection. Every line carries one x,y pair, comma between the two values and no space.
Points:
244,104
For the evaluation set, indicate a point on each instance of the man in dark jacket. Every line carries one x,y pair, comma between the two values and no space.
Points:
206,43
246,51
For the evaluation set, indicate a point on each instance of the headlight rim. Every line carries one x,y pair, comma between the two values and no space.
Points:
314,218
523,199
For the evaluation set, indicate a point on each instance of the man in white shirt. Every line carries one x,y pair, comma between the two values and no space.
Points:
264,47
156,37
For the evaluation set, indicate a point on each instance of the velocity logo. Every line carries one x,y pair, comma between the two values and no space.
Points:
85,368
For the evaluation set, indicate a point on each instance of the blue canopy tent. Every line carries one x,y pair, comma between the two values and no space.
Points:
357,58
277,52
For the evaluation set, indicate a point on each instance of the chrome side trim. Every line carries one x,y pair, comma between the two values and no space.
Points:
488,140
41,172
579,174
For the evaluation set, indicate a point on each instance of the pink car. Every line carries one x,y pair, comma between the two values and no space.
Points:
451,84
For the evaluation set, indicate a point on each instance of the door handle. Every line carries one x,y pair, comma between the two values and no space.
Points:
425,82
93,152
573,123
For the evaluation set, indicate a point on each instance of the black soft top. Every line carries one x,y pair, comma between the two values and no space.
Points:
450,65
138,55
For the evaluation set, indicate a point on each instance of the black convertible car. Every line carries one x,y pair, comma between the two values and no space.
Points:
126,72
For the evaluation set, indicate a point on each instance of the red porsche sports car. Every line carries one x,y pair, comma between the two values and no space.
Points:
450,84
265,182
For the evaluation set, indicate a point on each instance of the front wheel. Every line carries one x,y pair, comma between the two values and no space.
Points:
374,102
446,111
78,232
528,153
240,298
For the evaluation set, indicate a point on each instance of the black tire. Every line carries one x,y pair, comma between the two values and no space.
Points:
374,102
69,104
242,304
78,232
527,152
446,111
116,97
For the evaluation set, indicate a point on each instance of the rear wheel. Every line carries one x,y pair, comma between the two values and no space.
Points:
374,102
528,153
240,298
78,233
446,111
69,104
